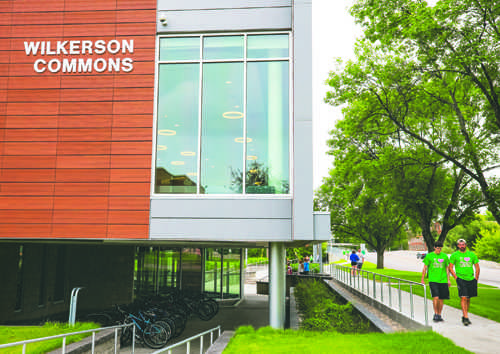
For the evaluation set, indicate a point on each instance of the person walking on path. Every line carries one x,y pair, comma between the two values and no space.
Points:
361,259
306,265
436,265
354,262
465,262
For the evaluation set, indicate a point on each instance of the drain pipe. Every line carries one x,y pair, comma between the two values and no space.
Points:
72,305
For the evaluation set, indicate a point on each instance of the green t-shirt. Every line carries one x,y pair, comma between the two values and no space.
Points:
436,267
464,263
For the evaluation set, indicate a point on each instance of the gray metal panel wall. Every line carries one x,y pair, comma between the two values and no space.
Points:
219,229
218,4
302,106
222,208
322,226
271,18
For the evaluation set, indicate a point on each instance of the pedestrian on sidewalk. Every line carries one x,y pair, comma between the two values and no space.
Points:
300,269
306,265
354,262
361,259
436,266
465,263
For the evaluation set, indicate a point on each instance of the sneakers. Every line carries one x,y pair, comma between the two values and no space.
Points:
437,318
466,321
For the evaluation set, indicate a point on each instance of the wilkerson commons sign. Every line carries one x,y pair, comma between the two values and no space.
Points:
85,48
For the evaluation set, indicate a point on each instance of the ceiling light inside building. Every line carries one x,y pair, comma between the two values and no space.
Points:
188,153
232,115
167,132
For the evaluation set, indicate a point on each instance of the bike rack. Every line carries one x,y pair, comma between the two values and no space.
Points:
72,306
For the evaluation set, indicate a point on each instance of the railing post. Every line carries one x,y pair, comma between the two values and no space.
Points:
201,345
399,294
425,306
133,338
188,347
374,287
390,297
381,289
93,343
64,346
411,302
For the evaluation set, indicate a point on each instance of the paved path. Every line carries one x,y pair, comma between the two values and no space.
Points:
482,336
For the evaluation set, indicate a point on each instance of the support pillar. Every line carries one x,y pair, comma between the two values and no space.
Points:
277,285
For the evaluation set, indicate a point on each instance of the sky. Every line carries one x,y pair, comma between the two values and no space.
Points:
334,35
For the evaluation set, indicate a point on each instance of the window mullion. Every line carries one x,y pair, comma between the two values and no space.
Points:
200,101
244,179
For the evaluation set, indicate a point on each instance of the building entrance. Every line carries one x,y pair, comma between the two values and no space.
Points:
215,271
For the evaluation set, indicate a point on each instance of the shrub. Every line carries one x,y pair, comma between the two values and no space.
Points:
488,246
322,310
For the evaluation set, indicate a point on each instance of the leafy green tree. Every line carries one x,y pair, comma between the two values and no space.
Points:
356,194
434,73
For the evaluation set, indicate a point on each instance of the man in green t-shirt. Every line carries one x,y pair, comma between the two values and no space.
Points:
465,262
436,265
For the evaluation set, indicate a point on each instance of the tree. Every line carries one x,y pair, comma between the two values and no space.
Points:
355,193
436,68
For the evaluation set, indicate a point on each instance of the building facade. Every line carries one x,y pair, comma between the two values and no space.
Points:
144,144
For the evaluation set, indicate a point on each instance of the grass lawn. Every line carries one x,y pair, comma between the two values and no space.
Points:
487,303
19,333
267,340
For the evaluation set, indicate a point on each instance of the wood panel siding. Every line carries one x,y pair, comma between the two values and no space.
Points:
75,147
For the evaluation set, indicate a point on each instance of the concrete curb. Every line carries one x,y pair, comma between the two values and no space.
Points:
220,343
104,344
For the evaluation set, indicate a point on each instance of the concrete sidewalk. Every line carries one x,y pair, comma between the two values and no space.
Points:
482,336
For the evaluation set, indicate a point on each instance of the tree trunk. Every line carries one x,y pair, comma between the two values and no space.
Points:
427,234
380,259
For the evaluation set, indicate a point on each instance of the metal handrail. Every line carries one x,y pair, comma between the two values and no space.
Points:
190,339
63,336
344,275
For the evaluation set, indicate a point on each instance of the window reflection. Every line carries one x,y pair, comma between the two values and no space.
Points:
223,167
268,46
177,131
182,48
223,47
220,153
267,123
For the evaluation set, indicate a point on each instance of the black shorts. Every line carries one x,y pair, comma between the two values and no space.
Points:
467,288
360,265
353,264
440,290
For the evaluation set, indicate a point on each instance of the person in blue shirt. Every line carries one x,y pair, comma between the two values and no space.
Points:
306,265
354,258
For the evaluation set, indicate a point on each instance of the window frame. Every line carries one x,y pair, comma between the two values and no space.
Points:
200,61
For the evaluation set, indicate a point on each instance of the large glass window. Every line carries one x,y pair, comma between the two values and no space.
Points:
223,115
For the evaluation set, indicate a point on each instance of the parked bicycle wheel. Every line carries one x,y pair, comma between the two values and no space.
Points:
167,327
154,336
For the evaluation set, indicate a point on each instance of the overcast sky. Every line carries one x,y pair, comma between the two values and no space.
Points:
334,34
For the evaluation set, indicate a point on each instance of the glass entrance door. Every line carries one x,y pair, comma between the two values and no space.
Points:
222,276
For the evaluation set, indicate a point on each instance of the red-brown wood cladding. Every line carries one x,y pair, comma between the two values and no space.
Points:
75,149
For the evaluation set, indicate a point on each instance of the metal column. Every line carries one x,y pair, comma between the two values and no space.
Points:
277,284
